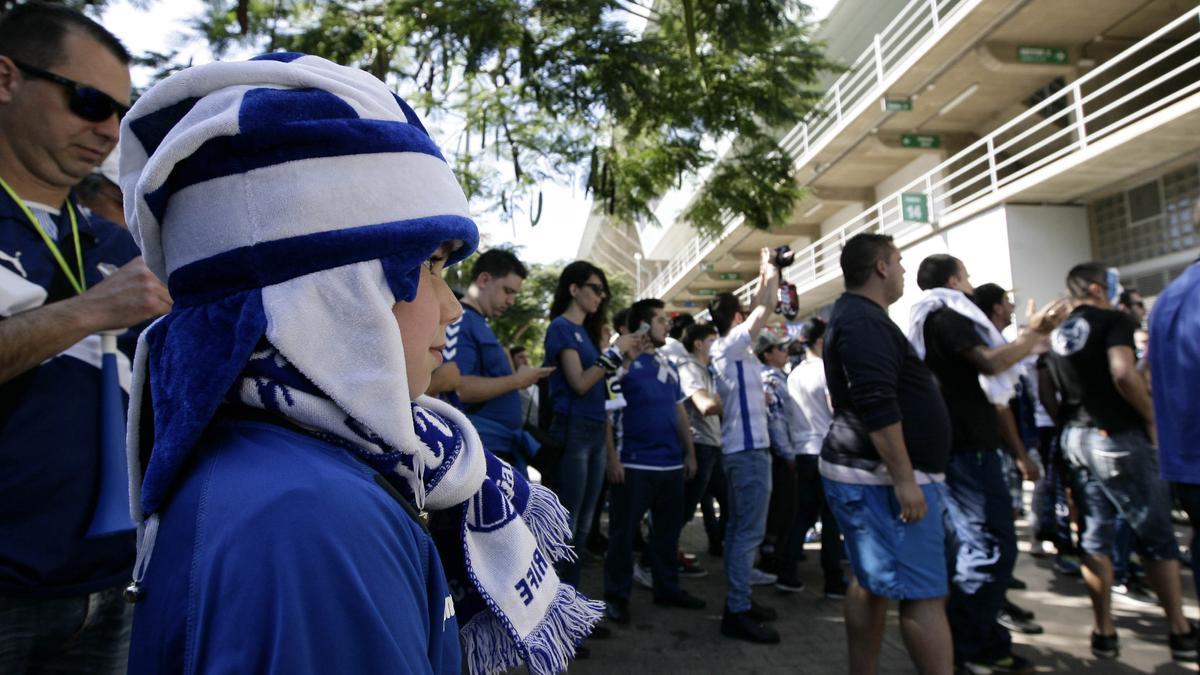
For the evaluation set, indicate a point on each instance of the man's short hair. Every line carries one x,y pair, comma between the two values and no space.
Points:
987,296
935,271
679,323
641,312
515,350
33,34
1085,274
1127,297
812,330
499,263
619,318
694,332
722,309
859,256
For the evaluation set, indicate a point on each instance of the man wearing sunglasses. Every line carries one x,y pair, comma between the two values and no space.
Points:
64,83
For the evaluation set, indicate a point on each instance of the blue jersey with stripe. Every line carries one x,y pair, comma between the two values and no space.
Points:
50,420
650,435
740,384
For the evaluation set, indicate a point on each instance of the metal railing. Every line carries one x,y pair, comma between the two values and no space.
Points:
1157,71
918,25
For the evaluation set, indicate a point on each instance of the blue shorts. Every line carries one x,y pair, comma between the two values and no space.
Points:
892,559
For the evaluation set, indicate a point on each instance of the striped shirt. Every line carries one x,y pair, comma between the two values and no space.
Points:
740,384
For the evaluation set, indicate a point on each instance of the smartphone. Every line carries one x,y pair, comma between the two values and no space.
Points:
644,328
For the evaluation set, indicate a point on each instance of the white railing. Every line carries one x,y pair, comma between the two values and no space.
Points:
1138,82
916,27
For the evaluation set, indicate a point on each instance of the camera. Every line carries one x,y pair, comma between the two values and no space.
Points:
789,301
782,256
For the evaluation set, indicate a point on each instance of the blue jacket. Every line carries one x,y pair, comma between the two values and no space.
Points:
1175,369
279,553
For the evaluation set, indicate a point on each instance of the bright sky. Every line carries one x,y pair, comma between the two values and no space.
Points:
565,210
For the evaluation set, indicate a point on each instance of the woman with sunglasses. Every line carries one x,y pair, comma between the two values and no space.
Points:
573,344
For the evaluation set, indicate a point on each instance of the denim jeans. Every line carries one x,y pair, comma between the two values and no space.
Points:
1118,474
810,492
661,493
580,477
81,634
707,457
748,491
1189,498
1051,515
982,553
712,504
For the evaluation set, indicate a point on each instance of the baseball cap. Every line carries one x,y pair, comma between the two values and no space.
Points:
767,340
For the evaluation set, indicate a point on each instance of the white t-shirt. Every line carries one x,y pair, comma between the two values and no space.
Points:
740,384
807,386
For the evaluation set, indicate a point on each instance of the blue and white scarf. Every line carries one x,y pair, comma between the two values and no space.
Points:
497,548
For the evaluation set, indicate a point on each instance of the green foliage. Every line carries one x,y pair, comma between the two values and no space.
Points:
552,90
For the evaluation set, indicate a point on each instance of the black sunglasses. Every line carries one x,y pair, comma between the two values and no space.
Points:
88,102
596,288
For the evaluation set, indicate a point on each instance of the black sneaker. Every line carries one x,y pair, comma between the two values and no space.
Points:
743,626
762,612
1184,645
1105,646
616,609
691,569
1009,664
1017,611
682,600
1017,585
835,590
1018,624
789,584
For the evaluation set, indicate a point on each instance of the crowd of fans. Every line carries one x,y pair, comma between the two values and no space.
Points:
904,451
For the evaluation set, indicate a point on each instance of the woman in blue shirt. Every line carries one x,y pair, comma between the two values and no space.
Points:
577,392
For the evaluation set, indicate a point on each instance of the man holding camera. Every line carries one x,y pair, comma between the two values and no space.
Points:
745,446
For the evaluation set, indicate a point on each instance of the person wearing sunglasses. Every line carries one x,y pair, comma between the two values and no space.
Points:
64,82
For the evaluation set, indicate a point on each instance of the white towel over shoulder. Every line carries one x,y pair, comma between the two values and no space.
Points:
999,388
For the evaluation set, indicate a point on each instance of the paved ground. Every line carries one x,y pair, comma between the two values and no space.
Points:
660,640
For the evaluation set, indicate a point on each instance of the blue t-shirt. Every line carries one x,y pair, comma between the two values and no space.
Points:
50,421
279,553
1175,369
562,334
472,345
651,438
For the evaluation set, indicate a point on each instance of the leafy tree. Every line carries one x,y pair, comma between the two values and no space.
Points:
547,90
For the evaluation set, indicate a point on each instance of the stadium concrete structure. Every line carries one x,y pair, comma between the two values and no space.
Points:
1024,136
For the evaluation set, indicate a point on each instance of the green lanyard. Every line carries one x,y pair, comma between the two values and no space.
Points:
79,283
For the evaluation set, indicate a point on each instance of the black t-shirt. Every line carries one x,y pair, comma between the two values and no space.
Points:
1078,362
948,335
876,379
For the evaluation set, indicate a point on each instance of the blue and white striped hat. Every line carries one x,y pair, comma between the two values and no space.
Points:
286,196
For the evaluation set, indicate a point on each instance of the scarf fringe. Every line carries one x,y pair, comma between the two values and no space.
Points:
550,646
547,520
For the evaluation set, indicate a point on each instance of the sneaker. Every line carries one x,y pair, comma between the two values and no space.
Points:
1184,645
1067,565
1016,584
761,578
789,584
1134,592
682,600
616,609
813,536
1105,646
1009,664
641,574
1018,611
762,612
835,590
742,626
691,569
1018,624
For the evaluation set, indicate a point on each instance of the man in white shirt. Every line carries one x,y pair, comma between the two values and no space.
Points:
806,384
745,448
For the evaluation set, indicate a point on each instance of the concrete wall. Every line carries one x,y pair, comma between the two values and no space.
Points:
918,167
1044,243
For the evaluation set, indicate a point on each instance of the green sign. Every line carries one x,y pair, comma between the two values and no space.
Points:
729,276
1051,55
707,267
915,207
897,104
922,141
706,291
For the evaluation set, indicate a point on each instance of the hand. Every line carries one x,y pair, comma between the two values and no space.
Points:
1029,469
629,344
912,502
446,377
527,375
130,296
765,267
1049,317
689,466
615,471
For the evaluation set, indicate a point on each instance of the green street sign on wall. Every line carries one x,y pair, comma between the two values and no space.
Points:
706,291
707,267
729,276
1032,54
897,104
914,206
922,141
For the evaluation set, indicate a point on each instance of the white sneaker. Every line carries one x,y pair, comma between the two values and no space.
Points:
642,576
761,578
